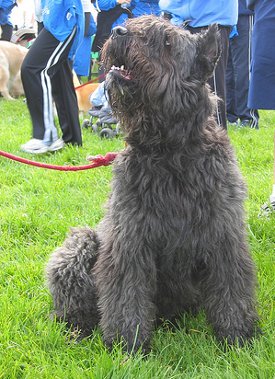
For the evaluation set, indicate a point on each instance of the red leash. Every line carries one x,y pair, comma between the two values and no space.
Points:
102,76
97,161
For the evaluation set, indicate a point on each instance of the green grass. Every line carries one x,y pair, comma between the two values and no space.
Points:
38,207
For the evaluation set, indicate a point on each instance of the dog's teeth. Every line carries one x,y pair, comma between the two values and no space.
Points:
116,68
122,67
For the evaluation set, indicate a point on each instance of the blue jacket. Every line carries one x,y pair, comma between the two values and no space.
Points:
60,17
106,5
143,7
5,11
82,60
138,8
202,12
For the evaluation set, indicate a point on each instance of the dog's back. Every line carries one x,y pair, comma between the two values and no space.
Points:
11,58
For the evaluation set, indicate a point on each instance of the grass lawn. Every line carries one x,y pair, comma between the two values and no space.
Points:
38,207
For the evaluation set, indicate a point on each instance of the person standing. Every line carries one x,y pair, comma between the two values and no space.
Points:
261,93
82,61
238,71
6,7
196,16
46,75
112,13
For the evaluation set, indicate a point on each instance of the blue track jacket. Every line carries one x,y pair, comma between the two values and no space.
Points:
138,8
61,16
201,12
5,11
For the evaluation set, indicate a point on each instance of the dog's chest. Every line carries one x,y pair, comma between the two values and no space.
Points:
165,205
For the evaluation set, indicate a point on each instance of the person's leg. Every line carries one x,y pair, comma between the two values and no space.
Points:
240,48
230,90
37,85
6,32
45,59
40,26
66,104
217,81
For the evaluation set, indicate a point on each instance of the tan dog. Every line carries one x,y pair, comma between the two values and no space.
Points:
11,58
83,93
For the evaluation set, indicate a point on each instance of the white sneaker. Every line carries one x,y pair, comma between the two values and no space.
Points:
35,146
267,209
57,145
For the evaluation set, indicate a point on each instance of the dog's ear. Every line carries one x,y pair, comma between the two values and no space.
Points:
208,53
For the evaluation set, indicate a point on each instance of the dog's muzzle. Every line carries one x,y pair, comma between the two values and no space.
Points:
118,31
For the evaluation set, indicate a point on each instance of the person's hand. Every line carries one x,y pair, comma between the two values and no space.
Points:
123,2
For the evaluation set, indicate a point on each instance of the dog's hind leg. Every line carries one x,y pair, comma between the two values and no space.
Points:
4,83
70,280
5,93
228,292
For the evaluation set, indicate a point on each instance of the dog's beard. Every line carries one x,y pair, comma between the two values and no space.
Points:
113,82
121,91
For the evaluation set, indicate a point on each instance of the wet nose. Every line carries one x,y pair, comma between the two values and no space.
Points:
119,31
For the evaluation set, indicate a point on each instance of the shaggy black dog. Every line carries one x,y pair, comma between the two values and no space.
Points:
173,238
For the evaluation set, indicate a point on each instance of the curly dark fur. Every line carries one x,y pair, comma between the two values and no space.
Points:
173,238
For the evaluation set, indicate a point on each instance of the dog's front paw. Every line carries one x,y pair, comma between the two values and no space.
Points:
130,342
240,336
128,347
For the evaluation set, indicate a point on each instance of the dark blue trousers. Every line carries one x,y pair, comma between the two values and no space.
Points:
262,84
237,74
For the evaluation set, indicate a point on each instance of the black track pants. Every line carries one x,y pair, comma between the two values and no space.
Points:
46,75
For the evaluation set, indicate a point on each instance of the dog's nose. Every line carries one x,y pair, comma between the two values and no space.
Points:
119,31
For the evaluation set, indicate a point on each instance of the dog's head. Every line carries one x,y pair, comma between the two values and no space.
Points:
156,67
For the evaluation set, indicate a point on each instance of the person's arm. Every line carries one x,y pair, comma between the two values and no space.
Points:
105,5
169,6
